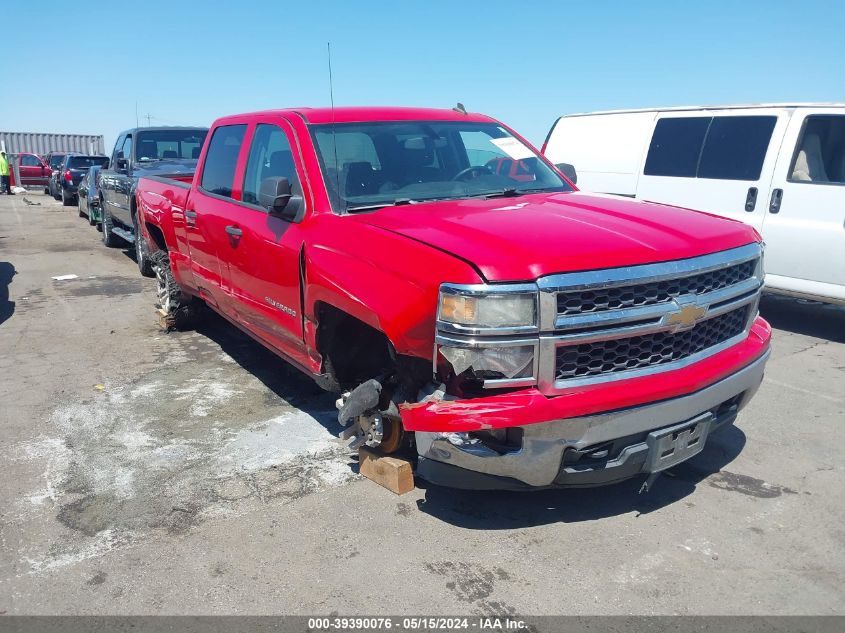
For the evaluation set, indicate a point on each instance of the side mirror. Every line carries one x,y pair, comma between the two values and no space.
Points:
568,171
275,196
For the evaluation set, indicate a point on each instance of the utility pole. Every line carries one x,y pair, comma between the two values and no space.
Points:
148,116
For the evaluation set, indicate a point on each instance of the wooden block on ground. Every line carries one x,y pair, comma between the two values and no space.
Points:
393,473
165,322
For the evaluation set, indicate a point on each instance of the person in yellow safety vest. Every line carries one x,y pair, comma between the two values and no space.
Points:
5,184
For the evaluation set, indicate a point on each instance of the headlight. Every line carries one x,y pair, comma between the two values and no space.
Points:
487,309
492,362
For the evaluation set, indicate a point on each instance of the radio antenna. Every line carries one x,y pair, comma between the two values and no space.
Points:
334,133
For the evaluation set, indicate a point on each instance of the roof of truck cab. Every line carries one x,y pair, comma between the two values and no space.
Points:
742,106
361,114
160,128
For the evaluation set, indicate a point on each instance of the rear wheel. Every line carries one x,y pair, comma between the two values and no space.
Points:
110,240
180,309
66,199
91,219
142,251
79,206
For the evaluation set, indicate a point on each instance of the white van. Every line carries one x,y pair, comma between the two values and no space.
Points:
779,168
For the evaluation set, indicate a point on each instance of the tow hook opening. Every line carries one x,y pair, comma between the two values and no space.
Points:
500,441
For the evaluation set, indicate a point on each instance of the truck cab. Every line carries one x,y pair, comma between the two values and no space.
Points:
138,152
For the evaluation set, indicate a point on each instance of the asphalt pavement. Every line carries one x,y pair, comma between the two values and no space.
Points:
194,472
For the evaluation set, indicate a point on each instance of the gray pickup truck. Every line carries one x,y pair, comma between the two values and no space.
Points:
145,151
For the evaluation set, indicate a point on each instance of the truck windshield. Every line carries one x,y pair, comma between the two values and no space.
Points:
169,144
84,162
374,164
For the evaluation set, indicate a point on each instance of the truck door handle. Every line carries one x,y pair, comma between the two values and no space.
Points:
751,199
234,231
774,203
191,218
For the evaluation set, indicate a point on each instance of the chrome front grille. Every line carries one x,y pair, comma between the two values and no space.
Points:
650,350
613,324
653,293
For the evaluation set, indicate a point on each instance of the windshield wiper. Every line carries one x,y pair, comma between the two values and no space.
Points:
381,205
510,192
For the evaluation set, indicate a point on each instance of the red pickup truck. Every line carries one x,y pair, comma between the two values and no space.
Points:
513,331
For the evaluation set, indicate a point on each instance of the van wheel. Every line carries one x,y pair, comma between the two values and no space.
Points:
180,309
110,240
142,252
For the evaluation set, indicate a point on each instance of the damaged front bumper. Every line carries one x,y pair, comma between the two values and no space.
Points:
591,449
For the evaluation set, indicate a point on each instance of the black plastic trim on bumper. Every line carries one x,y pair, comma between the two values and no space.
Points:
629,463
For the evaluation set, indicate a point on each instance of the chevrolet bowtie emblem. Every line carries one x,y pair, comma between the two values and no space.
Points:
686,316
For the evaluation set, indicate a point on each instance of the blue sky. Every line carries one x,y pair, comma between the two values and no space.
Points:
81,67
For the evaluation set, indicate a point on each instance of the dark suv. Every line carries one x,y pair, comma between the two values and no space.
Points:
54,161
71,172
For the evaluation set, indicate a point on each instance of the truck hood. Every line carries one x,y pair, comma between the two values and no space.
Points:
526,237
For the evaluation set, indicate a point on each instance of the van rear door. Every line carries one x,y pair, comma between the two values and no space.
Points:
605,149
804,225
719,161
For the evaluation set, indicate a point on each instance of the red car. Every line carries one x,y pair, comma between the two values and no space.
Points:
34,170
509,330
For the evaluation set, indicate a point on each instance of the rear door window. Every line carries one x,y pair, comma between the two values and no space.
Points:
84,162
28,160
676,146
270,156
218,174
735,147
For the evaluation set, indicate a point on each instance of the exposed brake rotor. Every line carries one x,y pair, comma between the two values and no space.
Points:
375,429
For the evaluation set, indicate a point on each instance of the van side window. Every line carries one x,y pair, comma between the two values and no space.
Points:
722,147
218,173
735,147
821,151
676,146
270,156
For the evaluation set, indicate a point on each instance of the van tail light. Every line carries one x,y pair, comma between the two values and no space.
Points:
68,176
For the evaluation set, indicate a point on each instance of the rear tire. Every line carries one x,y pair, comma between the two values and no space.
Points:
91,219
181,309
110,240
79,207
142,252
